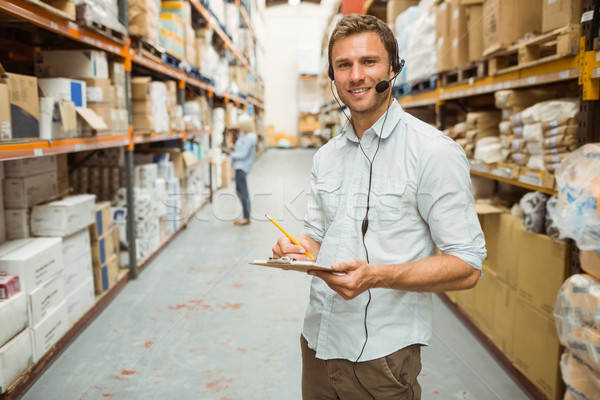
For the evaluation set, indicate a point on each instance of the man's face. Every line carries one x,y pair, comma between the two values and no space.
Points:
359,62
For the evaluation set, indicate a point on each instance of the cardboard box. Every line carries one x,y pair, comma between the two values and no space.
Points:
107,275
49,331
397,7
104,111
20,193
75,245
63,217
80,300
560,13
89,123
504,318
80,64
62,174
590,263
45,299
13,316
77,272
34,261
459,53
506,21
484,304
99,90
543,266
119,99
5,125
9,286
15,357
143,122
510,236
104,248
58,119
103,220
142,106
24,106
537,350
489,219
64,89
17,224
25,167
116,71
140,88
442,37
475,29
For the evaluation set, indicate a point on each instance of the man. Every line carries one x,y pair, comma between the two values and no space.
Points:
365,324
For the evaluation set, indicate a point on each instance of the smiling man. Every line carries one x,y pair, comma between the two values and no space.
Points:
385,195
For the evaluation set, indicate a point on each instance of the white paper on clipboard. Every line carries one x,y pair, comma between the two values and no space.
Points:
287,263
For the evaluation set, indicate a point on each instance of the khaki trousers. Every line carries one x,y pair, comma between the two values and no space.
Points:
389,377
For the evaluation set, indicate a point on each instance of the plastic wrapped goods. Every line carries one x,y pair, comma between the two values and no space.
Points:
421,55
521,98
577,318
551,110
534,211
582,381
488,150
577,212
404,26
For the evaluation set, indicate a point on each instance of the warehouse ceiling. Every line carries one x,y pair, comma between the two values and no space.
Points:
270,3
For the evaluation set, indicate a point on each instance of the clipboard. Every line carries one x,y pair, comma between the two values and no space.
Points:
291,264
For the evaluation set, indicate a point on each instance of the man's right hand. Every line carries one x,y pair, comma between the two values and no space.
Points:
285,248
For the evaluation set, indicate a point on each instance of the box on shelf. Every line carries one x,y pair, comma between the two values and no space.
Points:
63,217
99,90
506,21
475,29
560,13
105,111
26,192
103,218
13,316
143,18
24,105
5,125
80,300
44,299
62,174
116,71
505,305
17,224
75,245
80,64
510,236
34,260
15,357
58,119
49,331
64,89
140,88
104,248
590,262
442,37
9,286
484,305
107,275
459,39
89,123
25,167
78,271
537,350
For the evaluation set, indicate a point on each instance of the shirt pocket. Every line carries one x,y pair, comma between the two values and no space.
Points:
329,192
388,205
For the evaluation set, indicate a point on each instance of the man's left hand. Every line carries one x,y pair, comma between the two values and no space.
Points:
357,277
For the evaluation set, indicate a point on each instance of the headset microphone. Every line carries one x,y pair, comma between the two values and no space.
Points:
384,85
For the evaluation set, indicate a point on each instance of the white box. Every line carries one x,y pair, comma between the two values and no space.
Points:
20,193
78,271
24,167
49,331
15,357
44,299
76,63
63,217
33,260
64,89
75,245
17,224
13,316
80,300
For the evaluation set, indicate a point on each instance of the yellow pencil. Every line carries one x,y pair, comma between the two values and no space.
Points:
288,235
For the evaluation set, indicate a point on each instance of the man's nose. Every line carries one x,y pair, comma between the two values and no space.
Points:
357,73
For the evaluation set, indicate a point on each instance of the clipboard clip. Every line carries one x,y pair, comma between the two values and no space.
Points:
282,259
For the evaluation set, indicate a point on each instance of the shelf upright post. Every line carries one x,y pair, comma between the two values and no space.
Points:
589,108
180,102
131,239
210,96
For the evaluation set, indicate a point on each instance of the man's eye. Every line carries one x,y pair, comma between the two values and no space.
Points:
345,65
370,62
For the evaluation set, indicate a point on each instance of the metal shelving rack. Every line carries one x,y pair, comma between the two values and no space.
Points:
58,24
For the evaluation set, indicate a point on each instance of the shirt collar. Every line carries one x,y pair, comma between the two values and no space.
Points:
394,114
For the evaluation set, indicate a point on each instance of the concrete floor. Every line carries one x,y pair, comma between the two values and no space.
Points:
200,323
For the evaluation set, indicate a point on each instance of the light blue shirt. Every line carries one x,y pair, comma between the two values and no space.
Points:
420,201
244,151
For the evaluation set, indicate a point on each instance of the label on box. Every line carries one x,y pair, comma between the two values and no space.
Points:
6,130
9,286
94,93
532,178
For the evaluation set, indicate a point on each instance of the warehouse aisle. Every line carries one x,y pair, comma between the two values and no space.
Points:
200,323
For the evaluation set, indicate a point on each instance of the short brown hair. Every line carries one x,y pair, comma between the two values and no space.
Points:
352,24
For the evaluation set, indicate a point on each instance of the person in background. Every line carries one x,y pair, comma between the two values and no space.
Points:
243,158
366,323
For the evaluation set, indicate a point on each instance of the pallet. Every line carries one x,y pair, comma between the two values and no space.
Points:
85,18
171,61
464,74
147,49
560,43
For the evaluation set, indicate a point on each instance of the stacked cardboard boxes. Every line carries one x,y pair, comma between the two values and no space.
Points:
106,255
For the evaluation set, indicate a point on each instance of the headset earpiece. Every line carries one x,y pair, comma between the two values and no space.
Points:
330,72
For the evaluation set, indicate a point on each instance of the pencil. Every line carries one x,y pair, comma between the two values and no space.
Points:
288,235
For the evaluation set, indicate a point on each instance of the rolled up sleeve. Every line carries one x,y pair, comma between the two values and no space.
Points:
445,202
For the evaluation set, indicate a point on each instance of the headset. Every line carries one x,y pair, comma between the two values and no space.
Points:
397,65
